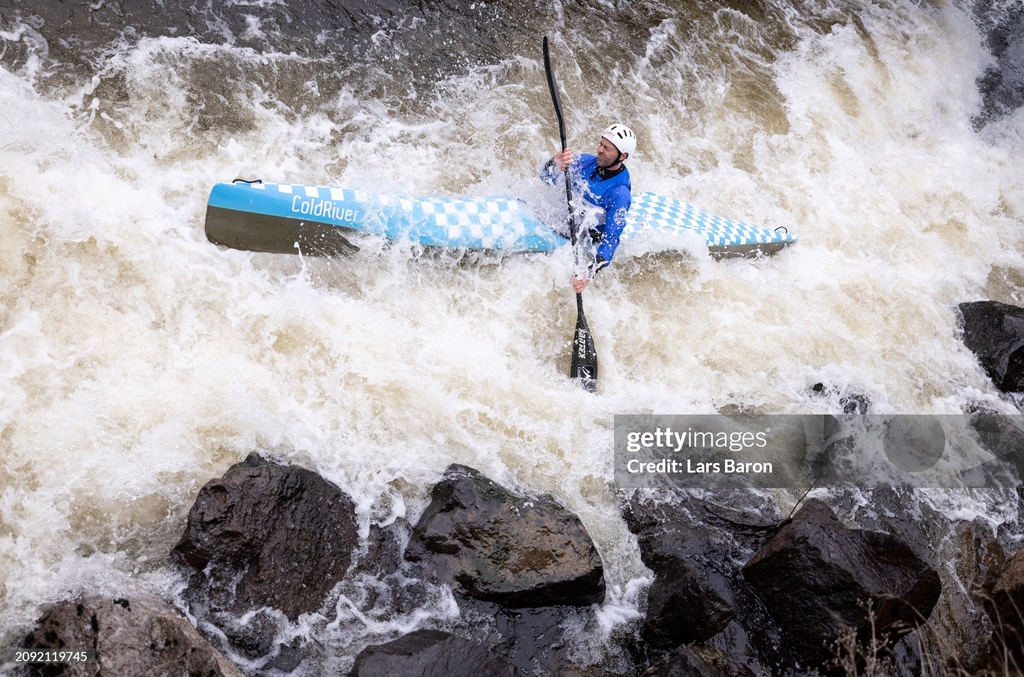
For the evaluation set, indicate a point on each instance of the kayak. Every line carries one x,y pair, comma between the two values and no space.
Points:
324,220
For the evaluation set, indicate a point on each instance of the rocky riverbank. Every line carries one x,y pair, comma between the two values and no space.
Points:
738,588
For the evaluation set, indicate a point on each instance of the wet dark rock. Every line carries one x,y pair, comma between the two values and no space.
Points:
495,545
819,580
289,656
252,635
911,445
851,403
256,636
96,24
377,577
384,546
704,527
267,535
683,607
427,40
1003,436
532,639
966,554
691,545
1002,85
135,634
994,332
1007,612
977,559
431,653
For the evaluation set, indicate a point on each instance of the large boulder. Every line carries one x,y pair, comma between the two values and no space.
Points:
267,535
820,580
683,606
966,554
132,635
995,333
692,545
493,544
431,653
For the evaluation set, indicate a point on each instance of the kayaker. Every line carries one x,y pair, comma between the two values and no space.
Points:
603,181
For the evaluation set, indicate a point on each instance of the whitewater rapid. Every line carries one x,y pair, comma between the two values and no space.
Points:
137,360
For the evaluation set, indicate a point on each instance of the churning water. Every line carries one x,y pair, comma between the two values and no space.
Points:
138,361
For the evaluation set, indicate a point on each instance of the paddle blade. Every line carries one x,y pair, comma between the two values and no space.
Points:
584,355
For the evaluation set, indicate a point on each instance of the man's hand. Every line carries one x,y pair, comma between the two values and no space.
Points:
580,283
563,159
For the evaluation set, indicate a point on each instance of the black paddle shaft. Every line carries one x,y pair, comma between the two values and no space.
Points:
556,98
584,356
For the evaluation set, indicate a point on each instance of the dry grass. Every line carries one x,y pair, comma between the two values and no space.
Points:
871,655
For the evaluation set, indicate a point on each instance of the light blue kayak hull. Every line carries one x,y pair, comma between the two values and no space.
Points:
323,220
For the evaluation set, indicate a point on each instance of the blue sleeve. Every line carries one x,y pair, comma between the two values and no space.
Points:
549,173
616,206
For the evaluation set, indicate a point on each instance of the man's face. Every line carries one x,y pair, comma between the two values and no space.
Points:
607,154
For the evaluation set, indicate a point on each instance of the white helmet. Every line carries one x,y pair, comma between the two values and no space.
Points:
622,137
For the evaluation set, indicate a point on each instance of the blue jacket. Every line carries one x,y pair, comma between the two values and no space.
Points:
612,195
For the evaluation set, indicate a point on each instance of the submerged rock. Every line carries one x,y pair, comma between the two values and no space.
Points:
133,635
851,402
267,535
431,653
1002,84
495,545
819,580
995,333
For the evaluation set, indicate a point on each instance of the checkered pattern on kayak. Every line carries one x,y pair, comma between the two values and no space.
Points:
488,219
664,213
499,216
477,217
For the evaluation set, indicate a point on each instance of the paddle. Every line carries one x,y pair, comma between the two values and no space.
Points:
584,356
